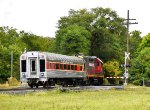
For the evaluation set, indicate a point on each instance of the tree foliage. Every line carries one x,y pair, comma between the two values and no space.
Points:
73,40
145,42
135,41
16,42
107,32
36,43
9,40
141,64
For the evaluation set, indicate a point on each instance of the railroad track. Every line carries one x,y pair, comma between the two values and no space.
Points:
26,90
23,90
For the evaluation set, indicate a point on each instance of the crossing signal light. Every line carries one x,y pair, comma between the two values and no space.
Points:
128,65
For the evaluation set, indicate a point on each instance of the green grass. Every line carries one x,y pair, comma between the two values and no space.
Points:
137,98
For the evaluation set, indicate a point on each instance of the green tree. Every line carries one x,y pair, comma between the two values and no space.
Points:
36,43
73,40
107,34
135,41
9,40
16,42
141,67
107,39
141,64
145,42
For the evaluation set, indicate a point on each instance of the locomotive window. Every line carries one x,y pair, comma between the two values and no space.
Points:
57,66
23,65
91,60
42,65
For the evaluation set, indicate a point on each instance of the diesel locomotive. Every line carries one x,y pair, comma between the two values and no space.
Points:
47,69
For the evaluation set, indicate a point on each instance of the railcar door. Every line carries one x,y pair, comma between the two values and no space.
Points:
33,67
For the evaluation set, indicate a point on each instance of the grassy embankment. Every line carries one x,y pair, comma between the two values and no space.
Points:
129,99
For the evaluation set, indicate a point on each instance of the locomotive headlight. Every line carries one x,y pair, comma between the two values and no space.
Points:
42,74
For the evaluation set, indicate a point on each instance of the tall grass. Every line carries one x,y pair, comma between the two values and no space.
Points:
12,82
128,99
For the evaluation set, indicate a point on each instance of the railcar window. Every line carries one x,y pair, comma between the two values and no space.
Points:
42,65
23,65
68,67
61,66
52,66
80,68
33,65
72,67
57,66
75,67
65,67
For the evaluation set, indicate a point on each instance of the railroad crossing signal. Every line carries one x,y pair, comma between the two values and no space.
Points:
125,75
127,55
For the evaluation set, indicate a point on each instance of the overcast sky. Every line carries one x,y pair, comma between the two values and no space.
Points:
40,17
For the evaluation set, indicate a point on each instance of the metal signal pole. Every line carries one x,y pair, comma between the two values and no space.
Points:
127,54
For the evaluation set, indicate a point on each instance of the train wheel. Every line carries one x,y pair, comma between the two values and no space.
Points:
74,83
64,84
45,85
37,85
100,81
83,83
30,85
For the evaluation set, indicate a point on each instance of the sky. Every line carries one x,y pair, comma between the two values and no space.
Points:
40,17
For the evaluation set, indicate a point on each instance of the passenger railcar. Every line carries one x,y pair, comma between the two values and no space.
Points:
43,68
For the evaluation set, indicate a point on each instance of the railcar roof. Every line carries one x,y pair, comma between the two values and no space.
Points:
53,56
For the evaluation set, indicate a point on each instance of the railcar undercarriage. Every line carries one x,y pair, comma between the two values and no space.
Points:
65,82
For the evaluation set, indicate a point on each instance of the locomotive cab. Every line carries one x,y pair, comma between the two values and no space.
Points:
94,70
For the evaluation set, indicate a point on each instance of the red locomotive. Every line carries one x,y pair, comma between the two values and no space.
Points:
43,68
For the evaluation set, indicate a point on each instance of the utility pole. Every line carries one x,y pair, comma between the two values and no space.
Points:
11,64
127,53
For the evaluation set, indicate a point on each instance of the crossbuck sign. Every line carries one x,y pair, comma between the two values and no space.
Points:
127,55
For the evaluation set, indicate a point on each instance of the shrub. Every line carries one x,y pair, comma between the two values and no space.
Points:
13,81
